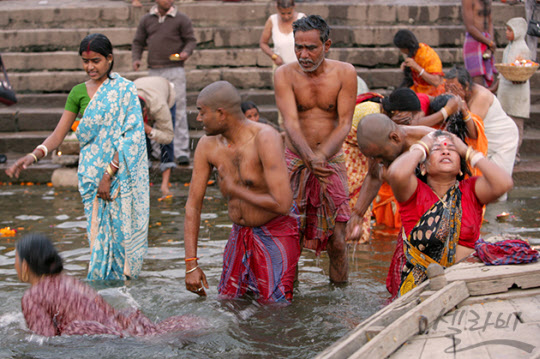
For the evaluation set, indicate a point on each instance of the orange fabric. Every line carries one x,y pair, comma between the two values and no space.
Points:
385,208
75,125
428,59
480,143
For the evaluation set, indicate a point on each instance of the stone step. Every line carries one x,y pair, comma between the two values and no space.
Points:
242,78
213,13
212,58
531,142
527,172
41,40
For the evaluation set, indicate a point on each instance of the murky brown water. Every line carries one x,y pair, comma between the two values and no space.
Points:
320,313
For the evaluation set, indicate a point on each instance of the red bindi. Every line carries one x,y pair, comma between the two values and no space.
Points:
444,143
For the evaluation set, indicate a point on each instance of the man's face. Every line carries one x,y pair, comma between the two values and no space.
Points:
386,154
164,5
309,49
209,119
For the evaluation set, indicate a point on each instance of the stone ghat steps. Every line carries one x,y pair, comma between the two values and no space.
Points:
232,36
243,78
211,13
372,57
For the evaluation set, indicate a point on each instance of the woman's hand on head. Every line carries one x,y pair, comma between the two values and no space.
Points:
461,147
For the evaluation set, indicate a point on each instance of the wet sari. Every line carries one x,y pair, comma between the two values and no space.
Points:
117,230
433,239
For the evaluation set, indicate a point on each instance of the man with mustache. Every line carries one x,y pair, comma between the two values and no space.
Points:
316,98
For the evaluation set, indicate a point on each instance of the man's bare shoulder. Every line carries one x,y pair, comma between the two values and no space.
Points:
287,69
208,143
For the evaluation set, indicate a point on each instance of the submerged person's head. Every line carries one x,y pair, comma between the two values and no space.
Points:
311,41
443,159
97,55
36,256
285,9
250,110
406,42
378,137
216,102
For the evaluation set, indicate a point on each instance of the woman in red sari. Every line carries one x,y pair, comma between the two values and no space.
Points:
441,212
422,66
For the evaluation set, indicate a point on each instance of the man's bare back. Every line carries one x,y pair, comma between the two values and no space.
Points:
240,164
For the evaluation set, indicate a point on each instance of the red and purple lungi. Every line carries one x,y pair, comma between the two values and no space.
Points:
320,205
262,260
474,61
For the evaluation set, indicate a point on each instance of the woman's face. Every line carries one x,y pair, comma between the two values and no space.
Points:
509,33
285,14
404,52
455,88
18,266
252,114
443,157
96,65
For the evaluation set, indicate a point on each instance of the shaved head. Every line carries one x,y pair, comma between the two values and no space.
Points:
378,137
221,94
374,129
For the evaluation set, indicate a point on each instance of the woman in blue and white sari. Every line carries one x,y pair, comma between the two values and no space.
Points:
113,167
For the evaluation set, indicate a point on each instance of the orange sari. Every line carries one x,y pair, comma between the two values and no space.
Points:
385,208
428,59
479,144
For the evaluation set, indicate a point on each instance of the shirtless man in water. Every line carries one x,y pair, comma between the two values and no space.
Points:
479,46
264,246
316,97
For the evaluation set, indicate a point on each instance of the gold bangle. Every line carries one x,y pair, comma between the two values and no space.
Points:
468,154
110,171
274,56
192,270
423,144
35,157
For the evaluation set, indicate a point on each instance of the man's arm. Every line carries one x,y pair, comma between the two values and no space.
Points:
199,180
370,188
286,103
346,100
163,128
188,37
137,47
279,197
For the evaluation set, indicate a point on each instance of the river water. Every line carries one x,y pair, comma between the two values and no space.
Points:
319,315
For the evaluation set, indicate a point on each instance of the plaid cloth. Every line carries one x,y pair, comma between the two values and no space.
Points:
508,251
474,62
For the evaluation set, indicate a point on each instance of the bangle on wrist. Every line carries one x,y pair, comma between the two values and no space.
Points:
421,72
423,144
44,149
110,171
192,270
191,259
274,56
444,113
475,158
468,154
35,157
468,118
419,147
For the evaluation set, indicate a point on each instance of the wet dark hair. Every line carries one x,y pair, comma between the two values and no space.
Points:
401,99
464,167
405,39
463,76
142,101
285,4
313,22
98,43
454,123
38,251
248,105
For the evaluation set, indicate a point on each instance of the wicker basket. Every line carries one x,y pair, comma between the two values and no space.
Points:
516,73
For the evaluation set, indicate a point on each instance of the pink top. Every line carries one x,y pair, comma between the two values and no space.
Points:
60,304
423,198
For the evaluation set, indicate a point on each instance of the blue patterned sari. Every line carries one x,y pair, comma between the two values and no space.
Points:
117,230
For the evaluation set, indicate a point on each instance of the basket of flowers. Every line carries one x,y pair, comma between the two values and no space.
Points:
518,71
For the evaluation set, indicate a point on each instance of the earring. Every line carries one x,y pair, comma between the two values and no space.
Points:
24,277
110,62
460,172
423,172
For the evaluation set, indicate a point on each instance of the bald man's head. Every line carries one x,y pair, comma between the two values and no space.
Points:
221,94
378,137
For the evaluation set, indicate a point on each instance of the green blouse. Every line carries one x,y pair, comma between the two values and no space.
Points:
78,99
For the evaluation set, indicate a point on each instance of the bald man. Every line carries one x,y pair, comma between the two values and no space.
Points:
381,140
263,249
